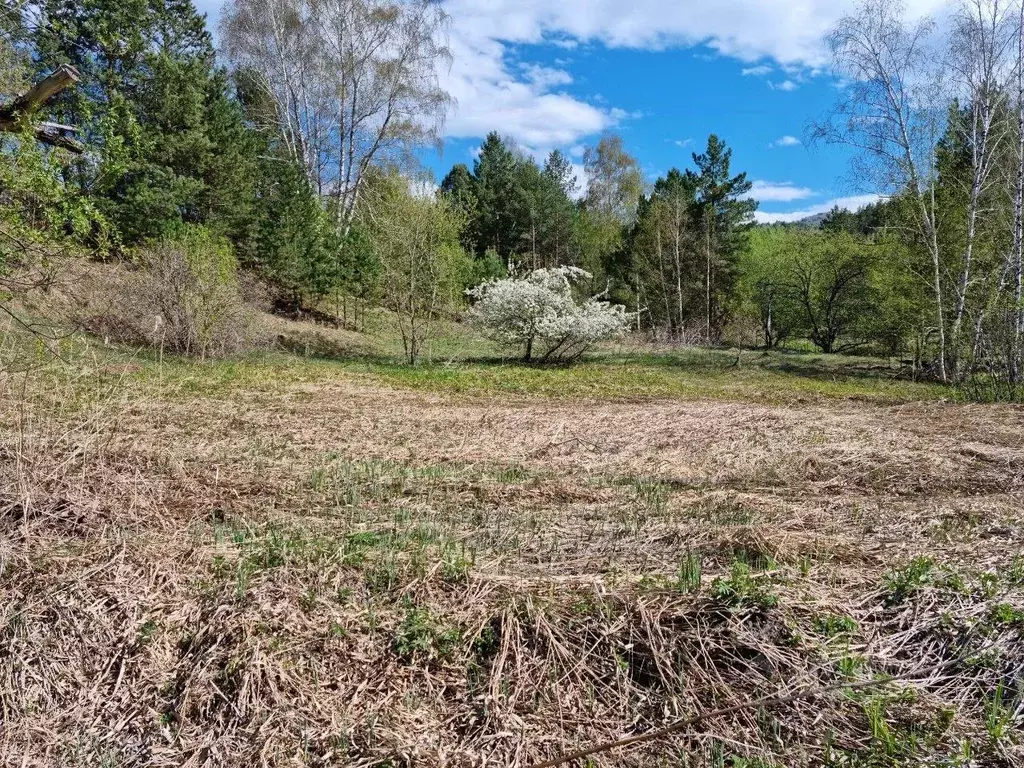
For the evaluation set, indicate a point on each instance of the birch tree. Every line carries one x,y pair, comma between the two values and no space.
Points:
892,112
900,82
978,58
416,239
351,81
1015,258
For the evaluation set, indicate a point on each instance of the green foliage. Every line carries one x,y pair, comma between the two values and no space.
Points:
686,245
689,576
743,589
901,583
834,625
460,188
1000,713
725,215
421,637
838,290
870,221
764,283
297,244
170,145
423,266
485,268
34,202
515,209
666,269
614,180
194,287
500,199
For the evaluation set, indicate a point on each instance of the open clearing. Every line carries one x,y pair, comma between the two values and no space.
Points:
317,564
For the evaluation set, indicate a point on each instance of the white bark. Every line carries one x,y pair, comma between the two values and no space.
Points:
351,80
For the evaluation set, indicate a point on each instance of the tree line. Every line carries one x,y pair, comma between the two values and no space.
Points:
670,252
936,116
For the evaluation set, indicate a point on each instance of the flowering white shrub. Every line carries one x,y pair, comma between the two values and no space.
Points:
538,313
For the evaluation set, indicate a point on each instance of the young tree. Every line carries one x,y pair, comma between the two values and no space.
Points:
297,247
664,248
829,279
416,239
764,284
539,314
891,111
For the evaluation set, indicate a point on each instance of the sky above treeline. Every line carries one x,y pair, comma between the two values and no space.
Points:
662,73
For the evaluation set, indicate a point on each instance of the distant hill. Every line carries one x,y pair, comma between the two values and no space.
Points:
808,222
811,222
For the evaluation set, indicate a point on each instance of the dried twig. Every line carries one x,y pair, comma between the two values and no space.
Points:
775,700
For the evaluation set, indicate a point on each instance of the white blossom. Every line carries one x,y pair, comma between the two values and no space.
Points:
539,314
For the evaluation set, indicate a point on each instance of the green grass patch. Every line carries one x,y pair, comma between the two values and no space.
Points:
686,374
675,376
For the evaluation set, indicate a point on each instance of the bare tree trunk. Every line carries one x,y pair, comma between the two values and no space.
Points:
664,282
677,226
980,50
978,163
707,279
1018,211
636,288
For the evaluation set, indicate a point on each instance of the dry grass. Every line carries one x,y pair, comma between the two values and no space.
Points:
334,572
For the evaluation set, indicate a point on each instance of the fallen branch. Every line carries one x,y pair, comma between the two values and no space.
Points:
14,116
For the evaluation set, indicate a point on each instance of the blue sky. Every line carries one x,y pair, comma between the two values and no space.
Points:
556,73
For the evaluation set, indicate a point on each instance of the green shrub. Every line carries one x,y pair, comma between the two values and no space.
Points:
192,283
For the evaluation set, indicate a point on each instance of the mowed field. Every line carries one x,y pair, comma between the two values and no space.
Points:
286,562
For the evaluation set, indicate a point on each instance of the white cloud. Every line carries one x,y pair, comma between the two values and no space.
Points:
518,102
785,85
683,142
852,203
546,77
787,32
785,141
783,192
756,71
581,181
567,43
492,94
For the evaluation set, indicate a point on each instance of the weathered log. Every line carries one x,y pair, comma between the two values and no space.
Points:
13,116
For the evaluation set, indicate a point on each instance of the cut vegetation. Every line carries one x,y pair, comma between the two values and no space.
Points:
279,561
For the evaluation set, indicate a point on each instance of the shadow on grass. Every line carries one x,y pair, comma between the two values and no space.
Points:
808,365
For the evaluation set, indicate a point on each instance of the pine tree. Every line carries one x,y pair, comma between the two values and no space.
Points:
501,198
558,212
460,188
171,143
726,216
